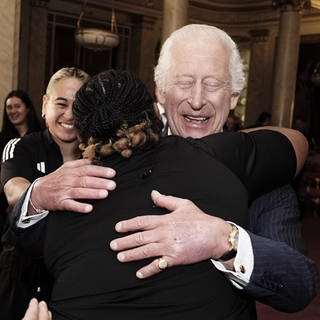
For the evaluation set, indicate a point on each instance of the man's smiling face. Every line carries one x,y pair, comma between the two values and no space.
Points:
198,96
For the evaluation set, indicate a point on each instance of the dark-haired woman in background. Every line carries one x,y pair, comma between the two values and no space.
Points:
19,118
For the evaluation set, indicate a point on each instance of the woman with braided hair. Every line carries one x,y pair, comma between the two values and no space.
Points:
119,128
124,120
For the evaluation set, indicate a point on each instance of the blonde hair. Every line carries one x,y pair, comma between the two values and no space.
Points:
66,73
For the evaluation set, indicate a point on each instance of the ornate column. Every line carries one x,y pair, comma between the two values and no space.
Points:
175,15
286,60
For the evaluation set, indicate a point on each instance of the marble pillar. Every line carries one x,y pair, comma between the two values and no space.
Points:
287,55
175,15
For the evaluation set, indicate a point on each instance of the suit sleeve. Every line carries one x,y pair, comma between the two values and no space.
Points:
283,277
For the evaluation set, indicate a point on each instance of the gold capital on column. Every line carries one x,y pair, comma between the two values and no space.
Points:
296,5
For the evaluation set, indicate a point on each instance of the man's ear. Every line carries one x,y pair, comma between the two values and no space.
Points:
160,96
156,110
44,104
234,100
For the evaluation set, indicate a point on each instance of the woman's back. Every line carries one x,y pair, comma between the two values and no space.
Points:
90,283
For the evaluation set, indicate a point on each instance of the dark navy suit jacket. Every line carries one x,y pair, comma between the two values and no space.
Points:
283,276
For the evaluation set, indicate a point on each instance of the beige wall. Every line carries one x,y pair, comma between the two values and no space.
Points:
9,52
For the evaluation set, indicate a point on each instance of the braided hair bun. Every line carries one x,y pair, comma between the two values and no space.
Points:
109,104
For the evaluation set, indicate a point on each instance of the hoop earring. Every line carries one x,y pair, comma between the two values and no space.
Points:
43,115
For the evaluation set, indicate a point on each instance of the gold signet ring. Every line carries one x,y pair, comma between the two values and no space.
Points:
162,264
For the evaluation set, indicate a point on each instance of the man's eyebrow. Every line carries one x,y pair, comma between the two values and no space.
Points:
61,98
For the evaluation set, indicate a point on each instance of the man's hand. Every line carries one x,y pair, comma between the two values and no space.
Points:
37,311
74,180
184,236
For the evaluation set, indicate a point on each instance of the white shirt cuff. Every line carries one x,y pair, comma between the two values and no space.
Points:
26,221
243,262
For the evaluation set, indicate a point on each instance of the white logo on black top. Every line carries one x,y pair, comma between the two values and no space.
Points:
41,167
9,149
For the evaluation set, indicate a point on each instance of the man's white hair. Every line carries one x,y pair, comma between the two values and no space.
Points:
199,32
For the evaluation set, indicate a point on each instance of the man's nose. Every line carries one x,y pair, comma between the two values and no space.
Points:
197,97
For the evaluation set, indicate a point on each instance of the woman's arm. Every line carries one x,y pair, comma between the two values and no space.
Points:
298,140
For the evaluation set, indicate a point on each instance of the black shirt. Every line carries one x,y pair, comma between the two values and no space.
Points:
30,157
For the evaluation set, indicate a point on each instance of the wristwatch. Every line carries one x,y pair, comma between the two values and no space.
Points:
233,244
